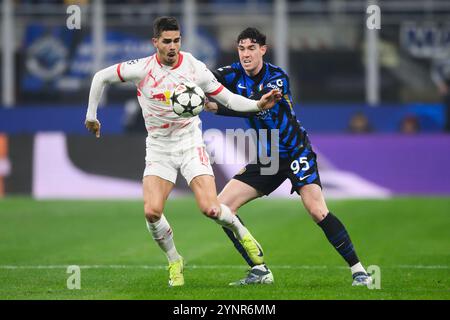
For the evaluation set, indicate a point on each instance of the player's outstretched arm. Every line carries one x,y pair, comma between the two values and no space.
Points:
101,78
242,104
208,82
220,110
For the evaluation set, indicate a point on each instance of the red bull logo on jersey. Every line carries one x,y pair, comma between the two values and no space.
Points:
163,97
159,97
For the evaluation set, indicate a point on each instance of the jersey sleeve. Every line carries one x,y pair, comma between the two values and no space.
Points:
219,76
223,74
131,70
206,80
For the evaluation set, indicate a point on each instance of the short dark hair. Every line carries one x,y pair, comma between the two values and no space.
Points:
254,35
164,24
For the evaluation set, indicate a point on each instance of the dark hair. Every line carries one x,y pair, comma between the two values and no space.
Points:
164,24
254,35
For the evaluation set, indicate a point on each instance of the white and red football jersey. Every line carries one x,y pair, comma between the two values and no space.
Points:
155,81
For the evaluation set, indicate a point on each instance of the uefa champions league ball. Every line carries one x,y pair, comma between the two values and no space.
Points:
187,99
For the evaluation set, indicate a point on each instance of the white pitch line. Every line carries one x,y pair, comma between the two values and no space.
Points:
422,267
158,267
153,267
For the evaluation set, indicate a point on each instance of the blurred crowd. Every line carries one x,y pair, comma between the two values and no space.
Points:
359,123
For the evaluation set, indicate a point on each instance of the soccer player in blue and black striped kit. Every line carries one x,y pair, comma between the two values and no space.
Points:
252,77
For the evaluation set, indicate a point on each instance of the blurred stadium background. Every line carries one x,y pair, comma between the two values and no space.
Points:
374,101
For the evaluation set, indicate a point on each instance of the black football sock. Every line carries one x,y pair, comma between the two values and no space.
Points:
238,245
339,238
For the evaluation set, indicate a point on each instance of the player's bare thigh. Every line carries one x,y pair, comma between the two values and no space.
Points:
156,191
204,188
314,201
237,193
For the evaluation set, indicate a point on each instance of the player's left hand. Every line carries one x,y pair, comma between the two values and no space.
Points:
268,100
93,126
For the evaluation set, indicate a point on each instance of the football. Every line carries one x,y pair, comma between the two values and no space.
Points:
187,99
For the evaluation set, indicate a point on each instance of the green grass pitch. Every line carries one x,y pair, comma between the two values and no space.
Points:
408,238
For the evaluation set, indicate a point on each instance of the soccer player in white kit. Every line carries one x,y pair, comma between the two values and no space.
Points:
173,142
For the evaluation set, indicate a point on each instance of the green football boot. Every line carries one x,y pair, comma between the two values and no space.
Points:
253,249
176,277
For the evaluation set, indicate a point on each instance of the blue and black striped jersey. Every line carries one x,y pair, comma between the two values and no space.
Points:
281,116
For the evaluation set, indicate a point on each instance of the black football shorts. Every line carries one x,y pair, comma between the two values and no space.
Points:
301,169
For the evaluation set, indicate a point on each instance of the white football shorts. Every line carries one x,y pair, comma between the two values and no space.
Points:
185,152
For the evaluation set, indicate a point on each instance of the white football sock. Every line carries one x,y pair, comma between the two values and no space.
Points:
162,234
261,267
357,268
230,221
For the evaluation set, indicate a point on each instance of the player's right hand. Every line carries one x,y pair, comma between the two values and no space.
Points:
268,100
211,107
93,126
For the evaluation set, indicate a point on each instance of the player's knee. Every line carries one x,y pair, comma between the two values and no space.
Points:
210,210
318,213
152,212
